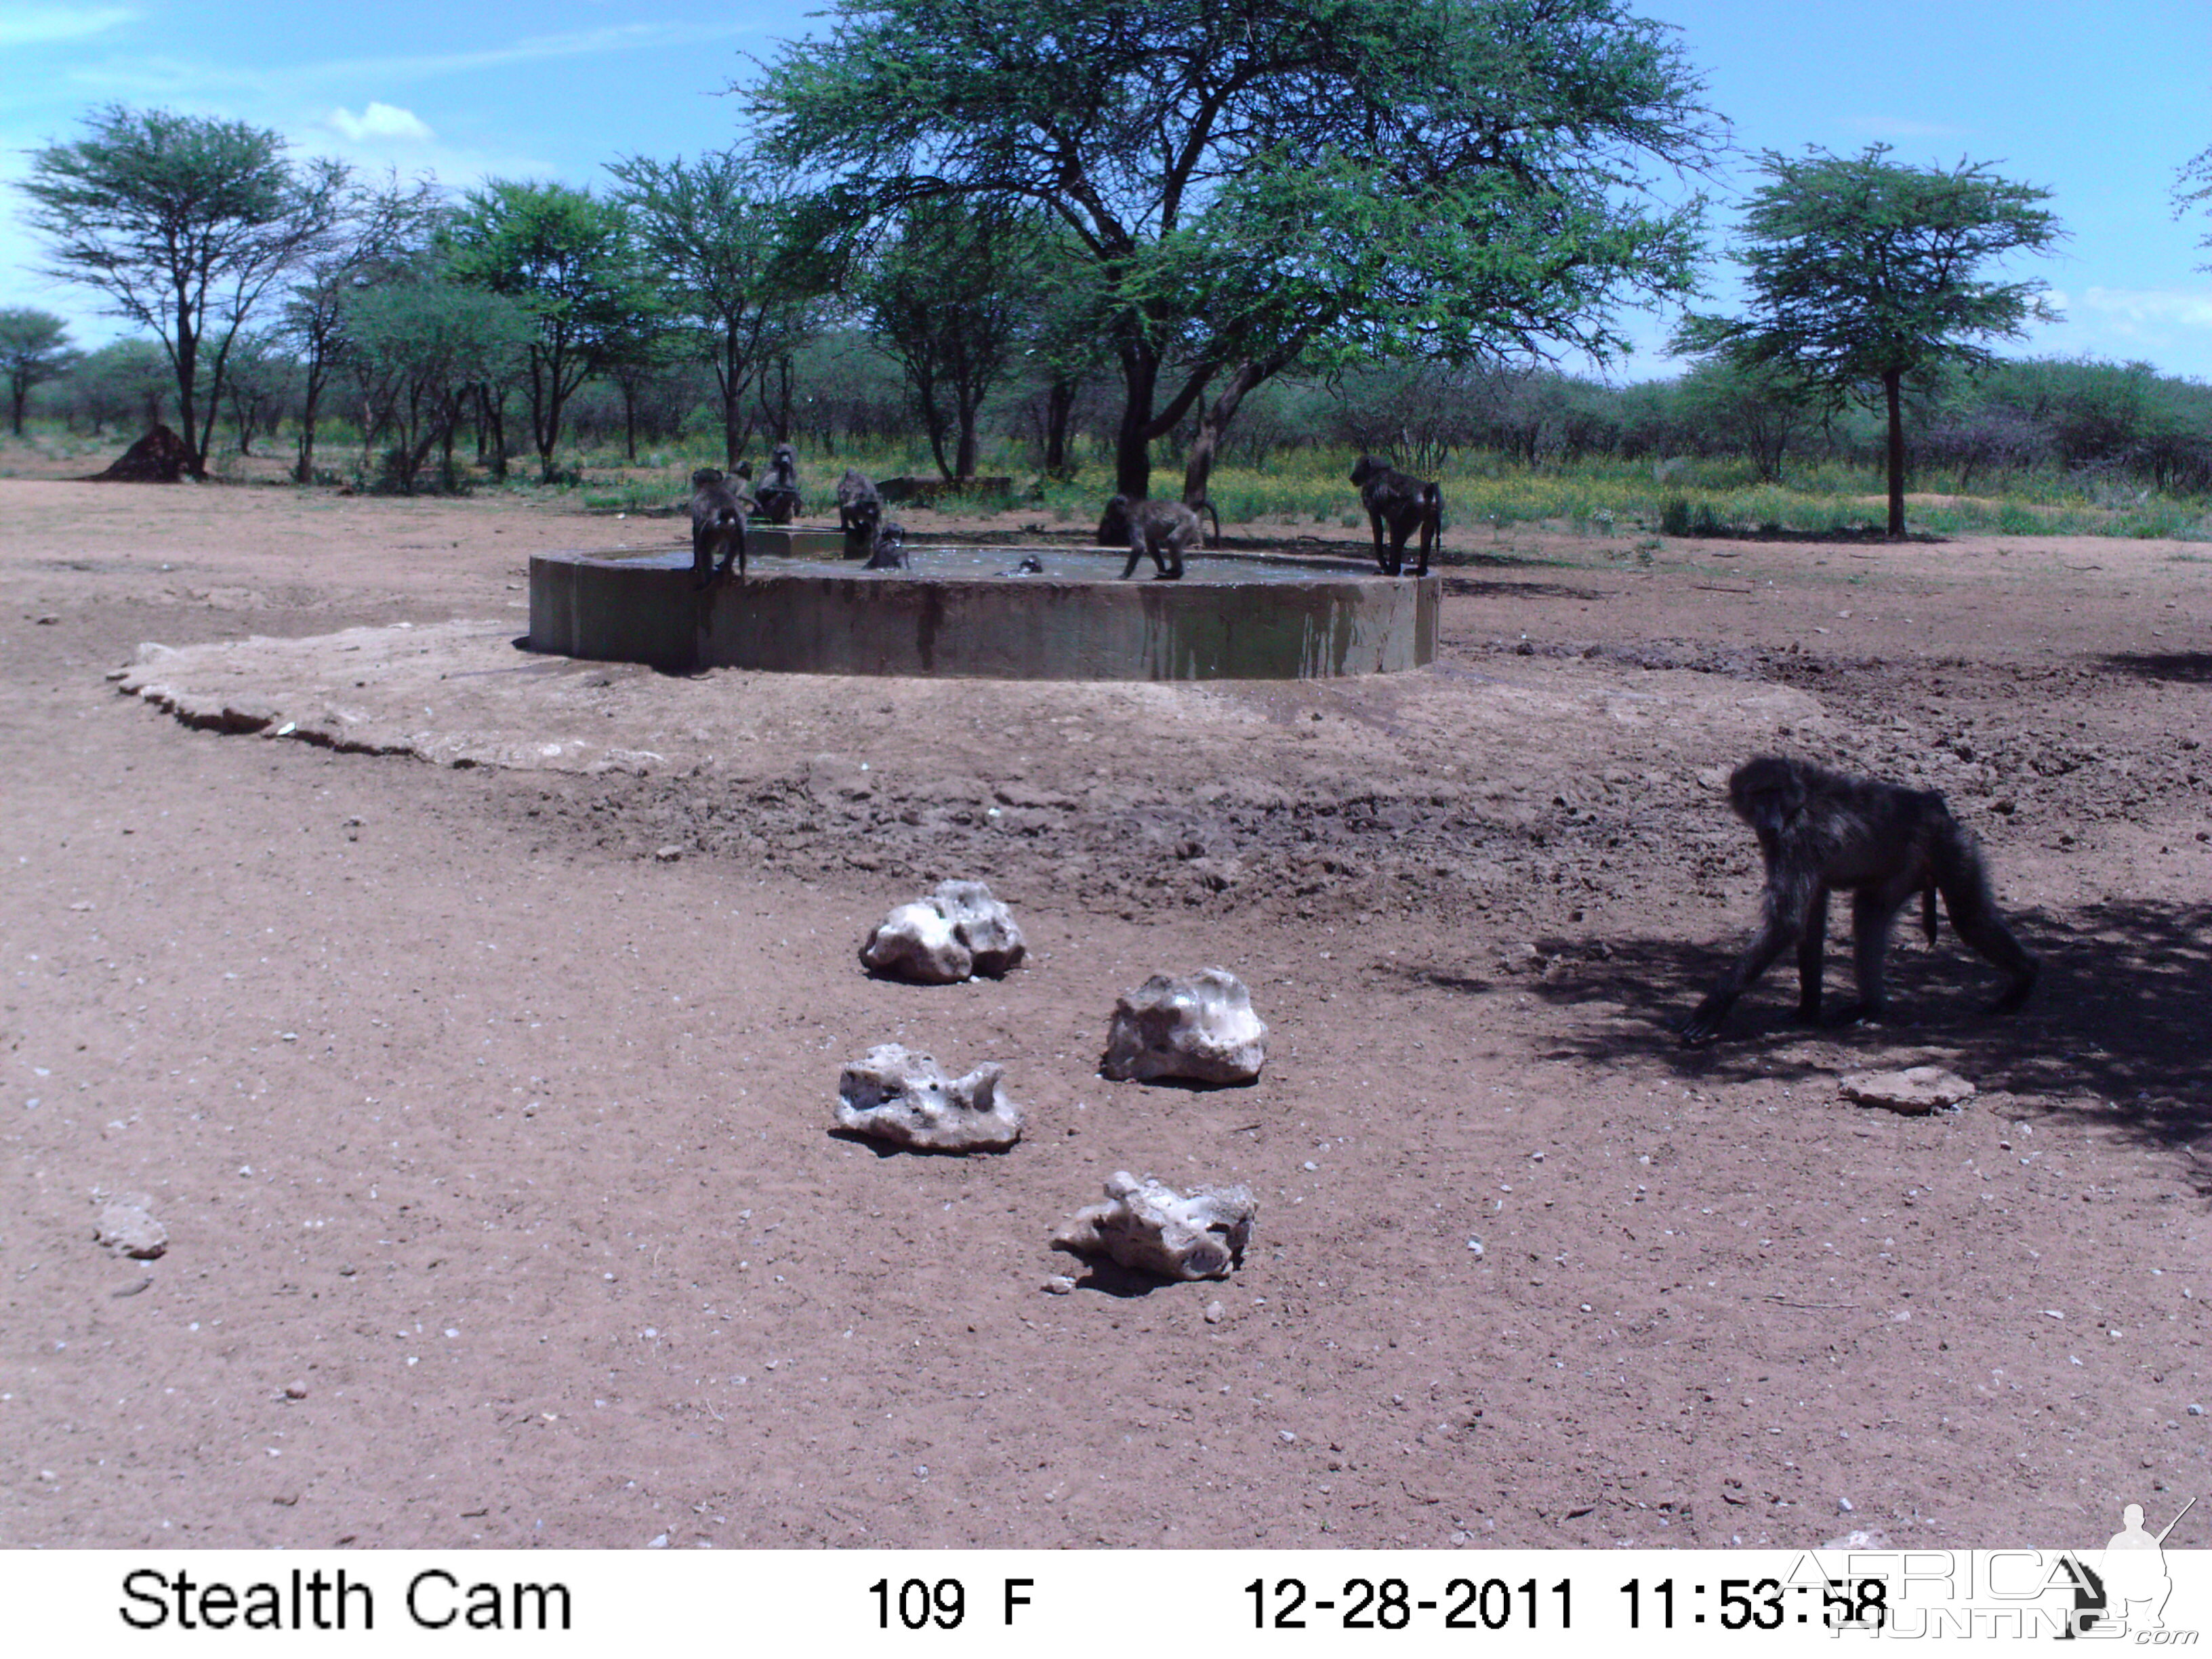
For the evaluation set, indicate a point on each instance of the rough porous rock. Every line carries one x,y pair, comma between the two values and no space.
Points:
957,932
1917,1089
1149,1227
894,1094
1199,1026
126,1226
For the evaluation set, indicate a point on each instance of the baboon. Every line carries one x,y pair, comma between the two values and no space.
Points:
1820,830
1162,529
859,512
778,493
718,525
1406,505
1113,526
887,550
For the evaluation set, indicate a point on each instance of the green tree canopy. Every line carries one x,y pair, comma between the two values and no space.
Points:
1863,273
418,347
719,229
184,222
2194,186
569,259
1260,182
949,297
34,348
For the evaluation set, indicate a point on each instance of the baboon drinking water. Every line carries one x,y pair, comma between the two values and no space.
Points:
718,525
1819,831
1163,529
887,549
860,513
1406,505
778,492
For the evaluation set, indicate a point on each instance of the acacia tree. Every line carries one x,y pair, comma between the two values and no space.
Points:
2192,186
1256,184
1864,273
721,231
418,348
185,222
569,259
380,230
34,348
950,297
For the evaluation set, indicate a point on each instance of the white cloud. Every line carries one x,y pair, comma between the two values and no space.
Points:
39,25
380,123
2168,307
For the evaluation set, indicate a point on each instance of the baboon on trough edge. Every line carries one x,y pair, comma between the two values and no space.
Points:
1406,505
718,525
1162,529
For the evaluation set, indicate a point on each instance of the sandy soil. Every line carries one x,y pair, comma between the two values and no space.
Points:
476,1053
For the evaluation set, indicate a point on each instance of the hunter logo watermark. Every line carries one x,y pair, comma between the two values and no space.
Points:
2115,1595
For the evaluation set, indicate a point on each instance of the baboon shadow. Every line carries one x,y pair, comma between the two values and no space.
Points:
2120,1012
2173,667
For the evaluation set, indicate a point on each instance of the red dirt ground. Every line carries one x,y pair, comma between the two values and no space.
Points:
485,1102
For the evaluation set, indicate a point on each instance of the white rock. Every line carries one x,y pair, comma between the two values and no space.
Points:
1149,1226
1199,1026
126,1226
1917,1091
893,1094
958,931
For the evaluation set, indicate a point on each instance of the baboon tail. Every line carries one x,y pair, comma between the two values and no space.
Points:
1206,507
1958,870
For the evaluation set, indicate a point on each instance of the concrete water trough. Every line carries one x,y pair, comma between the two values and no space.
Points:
973,612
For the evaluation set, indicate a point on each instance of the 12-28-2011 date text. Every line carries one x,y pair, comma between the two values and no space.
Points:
1392,1604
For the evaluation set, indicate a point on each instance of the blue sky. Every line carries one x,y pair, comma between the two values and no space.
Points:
2101,104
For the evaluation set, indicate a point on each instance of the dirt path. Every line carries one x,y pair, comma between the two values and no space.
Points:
484,1100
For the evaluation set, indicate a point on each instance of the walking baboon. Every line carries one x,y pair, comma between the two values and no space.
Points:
1114,523
1406,505
1162,529
887,549
1820,831
860,513
778,492
718,525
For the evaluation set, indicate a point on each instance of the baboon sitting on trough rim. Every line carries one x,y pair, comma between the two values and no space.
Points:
859,512
1163,529
1820,830
778,493
718,525
1406,505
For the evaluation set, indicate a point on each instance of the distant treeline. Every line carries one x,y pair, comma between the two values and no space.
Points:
2048,417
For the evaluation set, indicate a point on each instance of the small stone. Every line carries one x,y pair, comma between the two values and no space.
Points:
1058,1285
1289,1439
126,1226
295,1391
893,1094
1843,1506
1213,1313
659,1543
668,855
1916,1092
955,932
1196,1026
1148,1226
2196,1411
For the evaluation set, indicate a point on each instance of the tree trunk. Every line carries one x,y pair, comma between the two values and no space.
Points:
963,458
303,470
1891,383
1198,464
1132,454
1059,411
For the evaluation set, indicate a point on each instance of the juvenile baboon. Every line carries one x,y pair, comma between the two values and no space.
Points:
1162,529
859,512
778,492
1406,505
1820,831
887,550
718,525
1113,523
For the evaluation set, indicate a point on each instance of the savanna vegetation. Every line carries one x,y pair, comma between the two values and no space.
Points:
1246,241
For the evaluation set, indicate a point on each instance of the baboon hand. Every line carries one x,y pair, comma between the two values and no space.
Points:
1699,1025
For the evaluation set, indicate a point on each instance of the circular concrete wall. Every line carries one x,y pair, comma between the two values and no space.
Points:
1231,616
